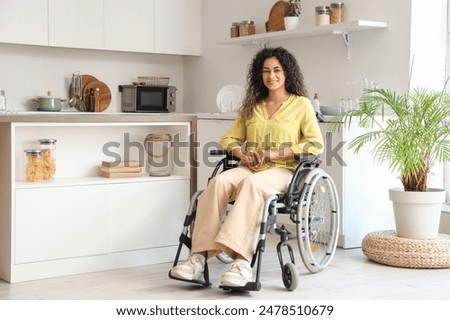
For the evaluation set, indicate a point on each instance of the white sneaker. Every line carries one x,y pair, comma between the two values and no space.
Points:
237,275
190,269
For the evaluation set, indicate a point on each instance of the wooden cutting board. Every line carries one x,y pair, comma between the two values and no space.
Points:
276,17
102,94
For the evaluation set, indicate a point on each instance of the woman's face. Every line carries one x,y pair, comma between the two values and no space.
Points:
273,74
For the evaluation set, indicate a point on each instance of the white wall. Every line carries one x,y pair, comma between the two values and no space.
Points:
30,71
382,56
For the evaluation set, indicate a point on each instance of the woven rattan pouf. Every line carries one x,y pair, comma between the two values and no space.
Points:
386,248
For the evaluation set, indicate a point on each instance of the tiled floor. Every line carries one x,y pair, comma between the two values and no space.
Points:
350,276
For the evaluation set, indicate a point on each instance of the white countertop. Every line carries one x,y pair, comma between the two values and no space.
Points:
200,115
218,116
41,116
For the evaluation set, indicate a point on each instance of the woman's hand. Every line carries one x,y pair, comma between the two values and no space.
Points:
256,159
252,158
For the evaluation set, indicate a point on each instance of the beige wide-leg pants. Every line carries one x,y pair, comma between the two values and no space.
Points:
238,234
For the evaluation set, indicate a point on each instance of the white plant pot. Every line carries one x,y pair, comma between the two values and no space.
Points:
417,214
291,23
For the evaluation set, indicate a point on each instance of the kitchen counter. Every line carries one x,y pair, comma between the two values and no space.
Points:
71,116
75,116
217,116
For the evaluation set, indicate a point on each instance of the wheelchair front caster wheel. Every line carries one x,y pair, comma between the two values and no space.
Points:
290,276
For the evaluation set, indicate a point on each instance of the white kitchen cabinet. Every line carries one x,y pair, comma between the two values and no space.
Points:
151,26
362,185
129,26
209,130
178,27
76,24
24,22
80,222
152,223
60,223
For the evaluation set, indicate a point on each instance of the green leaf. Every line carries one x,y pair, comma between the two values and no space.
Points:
408,131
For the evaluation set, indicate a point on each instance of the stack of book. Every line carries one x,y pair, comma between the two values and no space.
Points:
121,169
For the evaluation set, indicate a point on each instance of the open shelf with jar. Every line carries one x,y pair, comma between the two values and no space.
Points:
81,222
81,148
342,29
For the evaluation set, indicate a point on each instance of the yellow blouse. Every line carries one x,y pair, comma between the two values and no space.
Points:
293,125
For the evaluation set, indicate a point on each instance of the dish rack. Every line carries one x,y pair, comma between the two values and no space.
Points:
154,81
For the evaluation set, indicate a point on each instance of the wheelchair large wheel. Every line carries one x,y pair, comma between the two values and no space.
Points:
318,220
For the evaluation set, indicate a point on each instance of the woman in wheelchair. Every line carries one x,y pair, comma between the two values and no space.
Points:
275,122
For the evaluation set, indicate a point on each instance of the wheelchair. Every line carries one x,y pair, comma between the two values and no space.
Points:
311,201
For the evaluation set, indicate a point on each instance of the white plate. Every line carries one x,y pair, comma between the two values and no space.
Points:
229,98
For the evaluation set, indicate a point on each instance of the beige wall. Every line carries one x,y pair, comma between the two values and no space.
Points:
382,56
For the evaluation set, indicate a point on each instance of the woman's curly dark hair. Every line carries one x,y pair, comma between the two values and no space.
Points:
256,91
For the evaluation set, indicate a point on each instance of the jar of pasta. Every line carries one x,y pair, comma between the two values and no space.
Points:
33,165
337,12
48,147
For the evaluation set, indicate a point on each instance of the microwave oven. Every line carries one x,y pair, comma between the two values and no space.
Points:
144,98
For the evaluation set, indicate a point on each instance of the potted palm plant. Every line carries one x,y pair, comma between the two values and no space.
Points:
293,9
409,132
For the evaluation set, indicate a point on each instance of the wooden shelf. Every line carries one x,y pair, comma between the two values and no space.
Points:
342,29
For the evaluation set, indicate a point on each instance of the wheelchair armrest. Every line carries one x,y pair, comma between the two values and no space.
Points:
228,161
308,159
218,152
301,157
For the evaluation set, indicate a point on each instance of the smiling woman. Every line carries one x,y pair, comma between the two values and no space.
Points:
275,122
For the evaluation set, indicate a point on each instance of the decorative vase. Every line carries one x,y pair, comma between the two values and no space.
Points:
417,214
291,23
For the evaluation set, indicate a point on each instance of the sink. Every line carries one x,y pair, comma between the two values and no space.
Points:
330,111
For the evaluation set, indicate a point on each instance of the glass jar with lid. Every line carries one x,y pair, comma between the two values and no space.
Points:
247,28
322,15
48,147
234,30
337,12
33,165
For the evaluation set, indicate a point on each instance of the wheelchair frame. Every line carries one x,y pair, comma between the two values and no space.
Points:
311,201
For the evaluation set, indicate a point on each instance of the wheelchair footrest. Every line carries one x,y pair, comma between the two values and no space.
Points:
249,286
200,282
